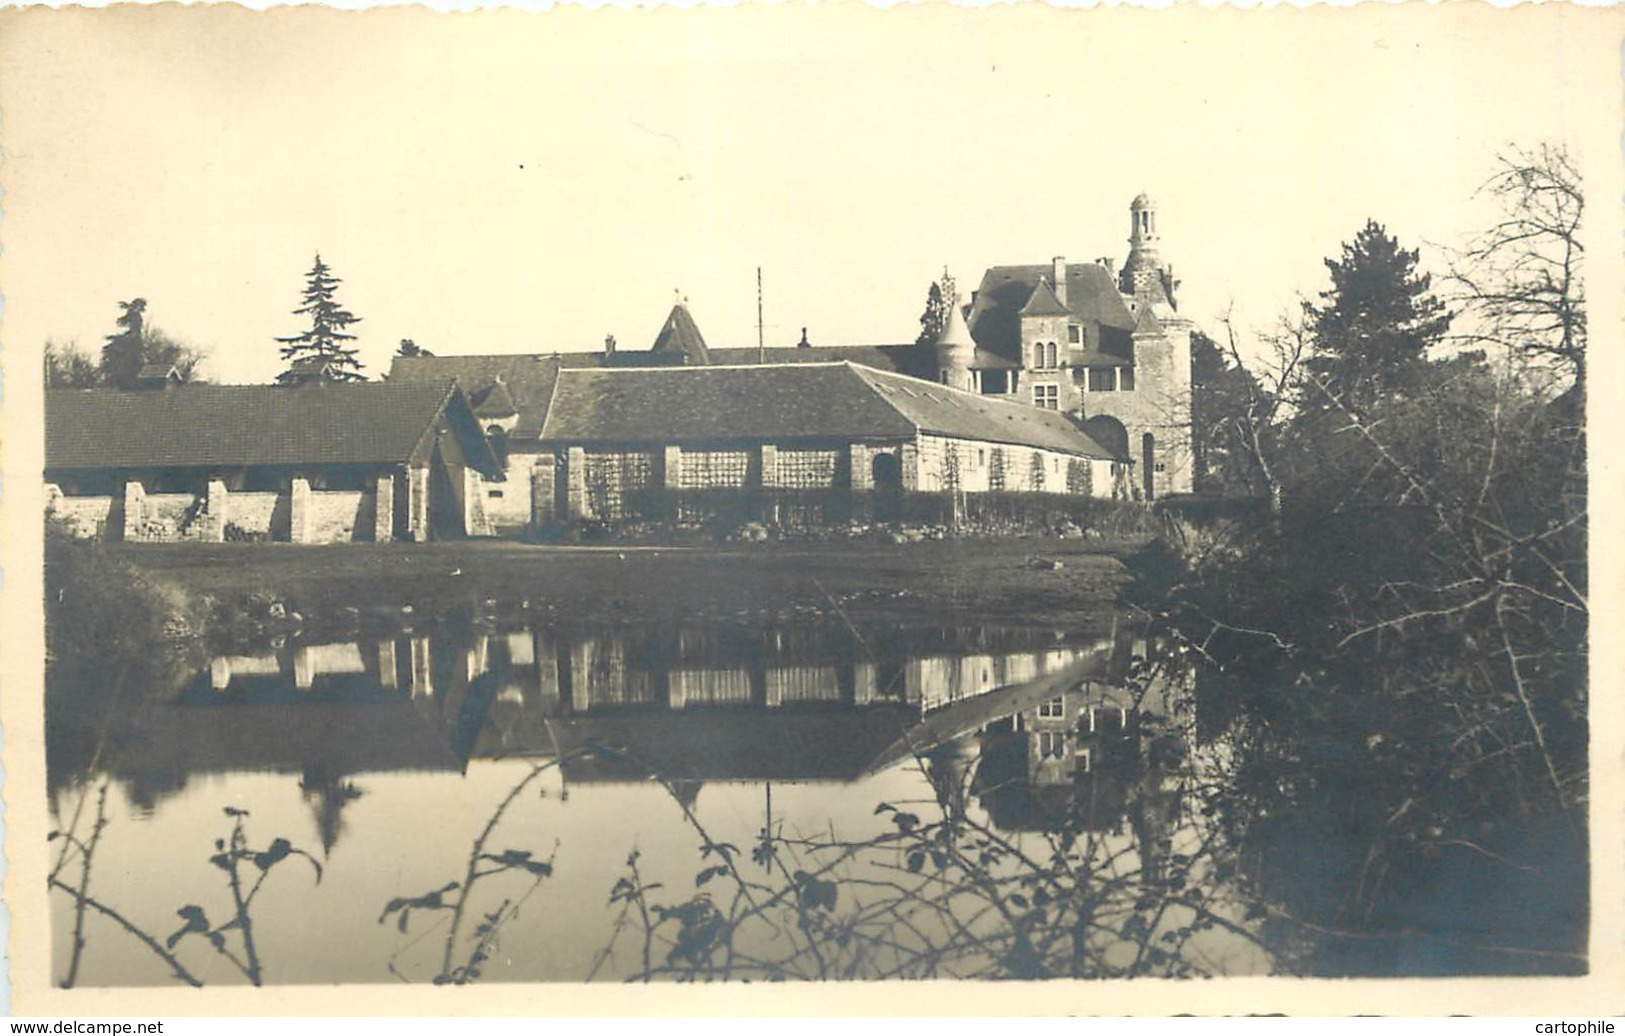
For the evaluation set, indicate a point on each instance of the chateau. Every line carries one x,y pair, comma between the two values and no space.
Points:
1053,378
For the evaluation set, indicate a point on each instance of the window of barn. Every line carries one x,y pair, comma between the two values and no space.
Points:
1102,379
1125,379
715,469
610,476
805,469
1047,396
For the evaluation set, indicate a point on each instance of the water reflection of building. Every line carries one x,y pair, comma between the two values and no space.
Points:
1094,756
689,705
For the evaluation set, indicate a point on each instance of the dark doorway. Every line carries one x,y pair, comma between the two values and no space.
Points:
887,471
445,499
1148,464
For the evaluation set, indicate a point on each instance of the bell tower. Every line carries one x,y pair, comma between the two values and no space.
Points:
1143,274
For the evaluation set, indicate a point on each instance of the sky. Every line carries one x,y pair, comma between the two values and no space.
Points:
527,182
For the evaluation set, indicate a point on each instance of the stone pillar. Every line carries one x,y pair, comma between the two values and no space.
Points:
422,669
542,508
299,511
547,672
417,504
383,511
475,522
863,473
770,465
575,474
214,512
671,468
388,675
909,460
135,506
861,477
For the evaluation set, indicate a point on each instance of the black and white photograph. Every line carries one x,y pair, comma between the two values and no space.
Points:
634,506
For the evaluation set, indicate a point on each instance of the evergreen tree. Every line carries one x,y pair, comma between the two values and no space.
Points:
1225,399
942,294
1372,330
123,353
326,338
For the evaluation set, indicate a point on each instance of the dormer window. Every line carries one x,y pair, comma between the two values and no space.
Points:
1074,334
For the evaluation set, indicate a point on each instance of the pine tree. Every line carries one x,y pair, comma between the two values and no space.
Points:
123,353
326,339
1373,328
943,294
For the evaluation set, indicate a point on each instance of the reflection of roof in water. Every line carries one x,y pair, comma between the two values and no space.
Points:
407,703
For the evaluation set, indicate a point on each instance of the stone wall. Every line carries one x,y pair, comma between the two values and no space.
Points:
336,516
298,514
88,517
975,467
508,503
256,516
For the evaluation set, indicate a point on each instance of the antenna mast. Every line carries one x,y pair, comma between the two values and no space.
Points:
761,348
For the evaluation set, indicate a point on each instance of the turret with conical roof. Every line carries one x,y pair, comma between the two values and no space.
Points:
680,336
956,350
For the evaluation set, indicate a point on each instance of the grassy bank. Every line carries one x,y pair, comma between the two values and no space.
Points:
1060,584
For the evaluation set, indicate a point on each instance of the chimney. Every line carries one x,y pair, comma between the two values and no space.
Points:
609,345
1060,278
803,344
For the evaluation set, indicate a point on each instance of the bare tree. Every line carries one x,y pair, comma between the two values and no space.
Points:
1522,279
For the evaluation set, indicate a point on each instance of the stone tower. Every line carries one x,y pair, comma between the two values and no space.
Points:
1144,275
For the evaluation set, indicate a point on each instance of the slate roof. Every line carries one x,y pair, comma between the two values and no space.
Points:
904,359
528,379
251,425
1043,302
494,401
787,403
1091,297
158,372
680,335
969,415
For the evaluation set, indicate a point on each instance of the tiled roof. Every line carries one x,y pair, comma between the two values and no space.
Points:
681,336
995,318
249,425
788,403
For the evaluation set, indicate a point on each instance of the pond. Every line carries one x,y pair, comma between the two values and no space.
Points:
531,803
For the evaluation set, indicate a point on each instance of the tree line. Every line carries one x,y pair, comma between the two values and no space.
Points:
1401,632
138,350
